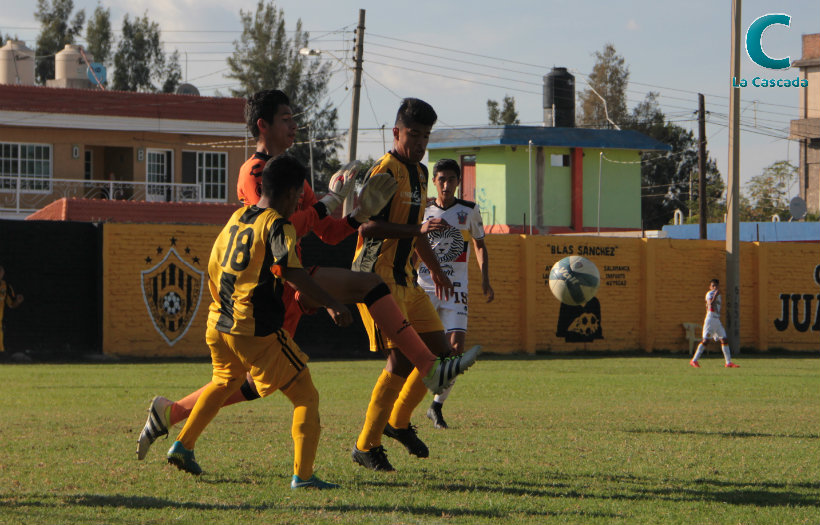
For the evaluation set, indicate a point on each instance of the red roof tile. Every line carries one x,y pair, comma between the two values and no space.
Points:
120,103
98,210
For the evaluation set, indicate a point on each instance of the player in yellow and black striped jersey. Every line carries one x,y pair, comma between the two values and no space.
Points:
385,246
7,298
251,259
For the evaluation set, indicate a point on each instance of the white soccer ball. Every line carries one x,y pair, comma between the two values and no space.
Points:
574,280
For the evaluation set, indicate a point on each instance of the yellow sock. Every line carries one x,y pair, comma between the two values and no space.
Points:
410,396
378,411
306,428
205,409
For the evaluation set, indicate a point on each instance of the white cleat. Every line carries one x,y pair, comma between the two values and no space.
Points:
155,426
446,369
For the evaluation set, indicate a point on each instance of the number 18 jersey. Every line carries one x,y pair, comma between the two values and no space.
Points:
452,246
245,271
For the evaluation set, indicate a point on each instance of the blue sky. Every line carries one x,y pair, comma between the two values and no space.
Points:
458,54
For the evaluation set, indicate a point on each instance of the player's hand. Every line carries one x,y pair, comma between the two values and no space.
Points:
340,314
488,291
444,287
431,225
340,185
18,300
374,196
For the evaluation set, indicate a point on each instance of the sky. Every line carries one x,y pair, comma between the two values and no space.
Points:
458,54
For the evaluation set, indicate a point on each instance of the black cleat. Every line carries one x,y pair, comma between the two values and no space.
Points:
408,438
434,415
374,459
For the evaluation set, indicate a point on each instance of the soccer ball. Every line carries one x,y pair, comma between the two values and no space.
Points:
574,280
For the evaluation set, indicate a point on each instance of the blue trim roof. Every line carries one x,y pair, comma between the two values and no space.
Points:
543,136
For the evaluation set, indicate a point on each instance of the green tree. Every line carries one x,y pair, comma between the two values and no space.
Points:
98,35
768,192
665,177
507,115
55,32
265,58
609,78
140,60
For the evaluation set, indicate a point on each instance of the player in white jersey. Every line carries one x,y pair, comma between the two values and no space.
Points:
452,247
712,326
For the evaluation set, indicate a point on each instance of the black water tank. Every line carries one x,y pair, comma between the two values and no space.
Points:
559,91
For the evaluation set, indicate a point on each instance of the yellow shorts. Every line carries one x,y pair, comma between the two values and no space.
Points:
273,361
416,307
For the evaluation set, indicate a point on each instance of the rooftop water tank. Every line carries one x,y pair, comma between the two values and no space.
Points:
559,98
16,63
70,65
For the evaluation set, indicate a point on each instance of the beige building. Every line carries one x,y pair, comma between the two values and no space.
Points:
806,129
58,142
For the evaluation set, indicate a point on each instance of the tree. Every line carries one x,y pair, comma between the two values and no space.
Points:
98,35
609,79
55,33
665,178
507,115
140,60
265,58
769,191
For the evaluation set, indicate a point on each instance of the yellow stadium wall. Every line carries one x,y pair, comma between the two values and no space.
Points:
649,287
129,250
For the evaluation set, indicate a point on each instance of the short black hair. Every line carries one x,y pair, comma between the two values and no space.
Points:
447,165
281,174
416,111
263,104
716,282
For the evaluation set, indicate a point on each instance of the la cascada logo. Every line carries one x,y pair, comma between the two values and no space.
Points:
754,48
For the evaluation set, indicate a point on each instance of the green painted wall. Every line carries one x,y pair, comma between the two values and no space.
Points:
502,186
620,189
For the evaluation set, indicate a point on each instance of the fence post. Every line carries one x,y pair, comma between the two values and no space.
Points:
528,286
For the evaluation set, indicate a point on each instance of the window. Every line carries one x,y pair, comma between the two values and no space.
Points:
89,164
209,170
559,161
31,163
212,175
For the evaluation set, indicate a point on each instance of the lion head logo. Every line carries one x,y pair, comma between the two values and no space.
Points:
584,324
447,244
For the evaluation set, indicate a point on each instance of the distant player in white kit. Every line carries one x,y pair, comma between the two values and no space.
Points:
452,247
712,326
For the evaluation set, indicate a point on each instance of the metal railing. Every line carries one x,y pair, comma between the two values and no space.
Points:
27,195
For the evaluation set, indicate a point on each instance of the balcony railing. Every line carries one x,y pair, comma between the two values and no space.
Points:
27,195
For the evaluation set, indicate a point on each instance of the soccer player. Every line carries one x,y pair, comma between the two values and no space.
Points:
252,258
452,249
7,298
270,120
712,327
384,247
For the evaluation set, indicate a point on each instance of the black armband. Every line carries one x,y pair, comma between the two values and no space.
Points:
321,209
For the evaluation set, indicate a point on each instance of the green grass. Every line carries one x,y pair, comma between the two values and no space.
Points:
629,440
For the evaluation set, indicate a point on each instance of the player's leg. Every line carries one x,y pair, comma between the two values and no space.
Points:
305,431
228,375
704,339
382,307
368,450
724,347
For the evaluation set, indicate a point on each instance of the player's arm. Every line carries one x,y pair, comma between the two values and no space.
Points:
303,282
249,184
13,300
382,229
483,259
444,287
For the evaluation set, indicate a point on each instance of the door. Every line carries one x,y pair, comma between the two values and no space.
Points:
158,175
468,177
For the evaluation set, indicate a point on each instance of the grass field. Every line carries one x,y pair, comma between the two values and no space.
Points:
627,440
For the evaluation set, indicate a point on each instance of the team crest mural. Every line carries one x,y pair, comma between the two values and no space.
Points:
172,290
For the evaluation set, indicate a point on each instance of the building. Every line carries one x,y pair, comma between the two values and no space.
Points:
549,179
58,142
806,129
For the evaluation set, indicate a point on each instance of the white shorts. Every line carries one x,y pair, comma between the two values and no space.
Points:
452,312
712,328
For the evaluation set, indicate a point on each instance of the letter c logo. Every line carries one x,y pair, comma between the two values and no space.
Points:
754,41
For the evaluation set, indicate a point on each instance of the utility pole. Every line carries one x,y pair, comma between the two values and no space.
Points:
733,193
347,205
702,164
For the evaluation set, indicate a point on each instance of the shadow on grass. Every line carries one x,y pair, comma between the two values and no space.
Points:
734,433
